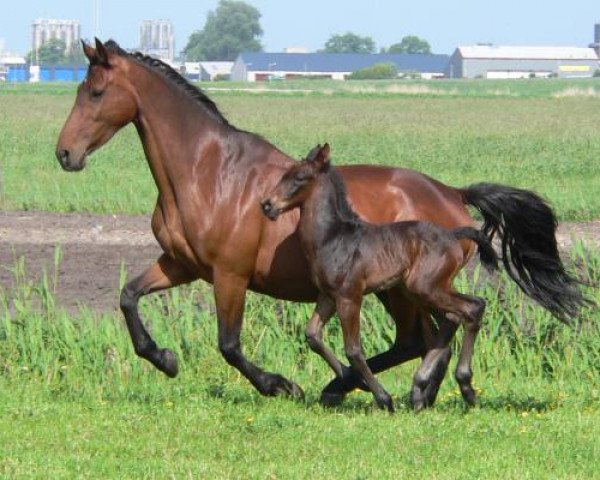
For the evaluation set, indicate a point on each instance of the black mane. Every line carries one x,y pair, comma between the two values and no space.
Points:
344,210
175,77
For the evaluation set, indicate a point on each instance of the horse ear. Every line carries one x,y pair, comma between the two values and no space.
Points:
312,155
322,158
102,54
89,52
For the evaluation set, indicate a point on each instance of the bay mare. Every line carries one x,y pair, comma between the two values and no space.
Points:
210,177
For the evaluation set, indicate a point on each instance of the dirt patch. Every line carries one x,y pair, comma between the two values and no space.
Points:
95,247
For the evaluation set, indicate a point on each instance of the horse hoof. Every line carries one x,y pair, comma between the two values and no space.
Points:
385,403
417,400
331,399
469,396
282,387
168,363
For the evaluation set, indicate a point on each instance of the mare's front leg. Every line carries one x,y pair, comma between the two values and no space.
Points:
230,297
165,273
349,312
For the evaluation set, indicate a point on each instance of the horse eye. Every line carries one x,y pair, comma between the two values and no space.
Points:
300,177
97,93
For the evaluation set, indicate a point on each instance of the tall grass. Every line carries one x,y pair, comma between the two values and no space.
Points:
89,355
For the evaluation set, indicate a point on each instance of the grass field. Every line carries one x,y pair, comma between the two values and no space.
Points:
527,137
76,402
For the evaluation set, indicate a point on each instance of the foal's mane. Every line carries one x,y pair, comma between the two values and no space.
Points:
343,208
170,74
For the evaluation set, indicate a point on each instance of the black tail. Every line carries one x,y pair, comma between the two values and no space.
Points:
486,251
526,226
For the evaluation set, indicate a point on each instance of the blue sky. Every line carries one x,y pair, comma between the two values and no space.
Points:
309,23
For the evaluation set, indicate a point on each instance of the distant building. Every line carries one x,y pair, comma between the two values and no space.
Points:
157,39
44,29
493,62
296,50
211,71
596,44
259,66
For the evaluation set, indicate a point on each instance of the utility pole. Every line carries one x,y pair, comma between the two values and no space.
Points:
96,17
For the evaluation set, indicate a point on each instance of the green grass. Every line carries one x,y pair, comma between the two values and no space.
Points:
75,401
516,133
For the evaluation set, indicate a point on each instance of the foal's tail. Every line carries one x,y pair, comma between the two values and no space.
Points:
487,255
526,227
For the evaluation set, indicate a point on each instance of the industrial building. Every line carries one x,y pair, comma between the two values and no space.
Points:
259,66
44,29
494,62
157,39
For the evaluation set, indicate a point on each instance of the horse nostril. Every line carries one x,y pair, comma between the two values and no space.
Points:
266,205
62,156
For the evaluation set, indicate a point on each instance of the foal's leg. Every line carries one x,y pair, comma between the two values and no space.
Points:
165,273
349,312
458,307
408,345
463,372
430,374
230,296
314,333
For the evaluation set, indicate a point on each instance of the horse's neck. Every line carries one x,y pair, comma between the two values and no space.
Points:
320,218
172,130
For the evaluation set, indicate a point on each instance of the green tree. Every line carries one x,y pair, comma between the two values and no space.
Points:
349,43
75,55
232,28
50,53
379,71
410,44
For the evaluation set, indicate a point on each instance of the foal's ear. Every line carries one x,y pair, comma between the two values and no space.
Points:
312,155
322,158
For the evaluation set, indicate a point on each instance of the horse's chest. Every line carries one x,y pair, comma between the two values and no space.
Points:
176,242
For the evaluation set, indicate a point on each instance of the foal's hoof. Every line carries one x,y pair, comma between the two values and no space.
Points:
469,395
331,399
168,363
282,387
418,400
385,402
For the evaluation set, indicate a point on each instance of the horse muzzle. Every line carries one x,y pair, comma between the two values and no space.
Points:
269,209
67,162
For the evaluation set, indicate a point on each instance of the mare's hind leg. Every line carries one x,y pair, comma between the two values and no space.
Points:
408,345
314,334
165,273
349,312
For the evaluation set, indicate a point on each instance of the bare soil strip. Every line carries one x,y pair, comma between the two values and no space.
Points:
95,247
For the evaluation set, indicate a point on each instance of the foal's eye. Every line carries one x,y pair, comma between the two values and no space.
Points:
300,177
97,93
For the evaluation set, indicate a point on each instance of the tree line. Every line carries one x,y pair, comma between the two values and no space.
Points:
234,27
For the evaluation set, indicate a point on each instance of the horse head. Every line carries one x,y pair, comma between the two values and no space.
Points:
103,105
296,183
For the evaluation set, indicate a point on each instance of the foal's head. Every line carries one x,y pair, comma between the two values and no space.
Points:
297,183
103,105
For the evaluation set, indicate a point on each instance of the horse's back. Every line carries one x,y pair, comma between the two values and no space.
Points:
381,194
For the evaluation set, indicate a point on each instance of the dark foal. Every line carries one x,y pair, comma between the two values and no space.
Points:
349,258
